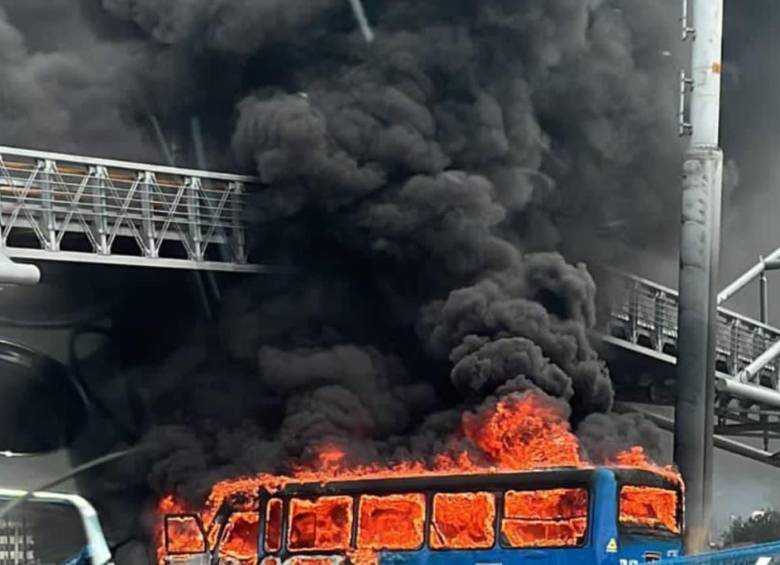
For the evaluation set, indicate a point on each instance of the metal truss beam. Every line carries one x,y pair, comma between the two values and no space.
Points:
643,321
726,444
62,207
131,261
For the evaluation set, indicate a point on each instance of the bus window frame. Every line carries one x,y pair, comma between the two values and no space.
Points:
588,487
223,532
641,531
198,522
263,508
497,495
427,501
497,484
286,551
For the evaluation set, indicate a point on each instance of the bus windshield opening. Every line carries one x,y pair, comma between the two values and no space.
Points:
649,510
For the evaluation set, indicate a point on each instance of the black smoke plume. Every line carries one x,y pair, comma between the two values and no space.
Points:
427,189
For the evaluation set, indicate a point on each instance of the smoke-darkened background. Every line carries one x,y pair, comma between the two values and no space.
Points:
435,193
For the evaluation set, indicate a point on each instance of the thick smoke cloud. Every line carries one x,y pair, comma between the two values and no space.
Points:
62,88
428,187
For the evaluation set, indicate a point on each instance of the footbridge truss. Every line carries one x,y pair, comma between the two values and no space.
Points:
640,344
72,208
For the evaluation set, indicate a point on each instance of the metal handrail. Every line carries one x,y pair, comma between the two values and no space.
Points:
747,347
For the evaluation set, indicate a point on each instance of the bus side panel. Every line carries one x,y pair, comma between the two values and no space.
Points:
603,528
639,549
598,550
496,556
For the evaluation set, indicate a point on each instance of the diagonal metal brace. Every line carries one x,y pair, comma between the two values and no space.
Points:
749,373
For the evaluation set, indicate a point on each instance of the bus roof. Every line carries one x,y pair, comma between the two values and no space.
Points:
540,479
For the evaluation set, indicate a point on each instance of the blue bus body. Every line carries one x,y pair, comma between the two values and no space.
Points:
606,540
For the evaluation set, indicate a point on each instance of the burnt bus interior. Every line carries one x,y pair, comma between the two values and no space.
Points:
545,509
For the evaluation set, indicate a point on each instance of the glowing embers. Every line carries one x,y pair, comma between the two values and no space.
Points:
323,524
463,521
183,534
545,518
649,507
395,521
239,539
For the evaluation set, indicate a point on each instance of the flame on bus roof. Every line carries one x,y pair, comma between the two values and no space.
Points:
521,432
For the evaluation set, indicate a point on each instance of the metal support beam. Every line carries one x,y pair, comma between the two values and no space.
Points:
132,261
165,215
754,393
699,254
762,427
720,442
763,298
750,373
769,262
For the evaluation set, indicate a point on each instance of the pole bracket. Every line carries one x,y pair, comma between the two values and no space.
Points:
686,86
688,32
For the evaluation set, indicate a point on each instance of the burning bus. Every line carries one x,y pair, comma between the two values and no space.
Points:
565,515
513,486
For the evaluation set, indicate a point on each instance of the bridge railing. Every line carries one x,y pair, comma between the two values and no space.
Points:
56,206
646,315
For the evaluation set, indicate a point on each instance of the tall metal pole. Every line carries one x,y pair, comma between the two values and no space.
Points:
763,297
699,252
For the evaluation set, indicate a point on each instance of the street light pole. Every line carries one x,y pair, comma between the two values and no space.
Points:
699,254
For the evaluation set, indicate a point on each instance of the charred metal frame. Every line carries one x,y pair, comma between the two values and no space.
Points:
427,485
430,486
179,516
62,207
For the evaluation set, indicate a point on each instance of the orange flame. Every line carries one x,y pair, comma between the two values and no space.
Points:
395,521
545,518
649,507
323,524
463,520
519,432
